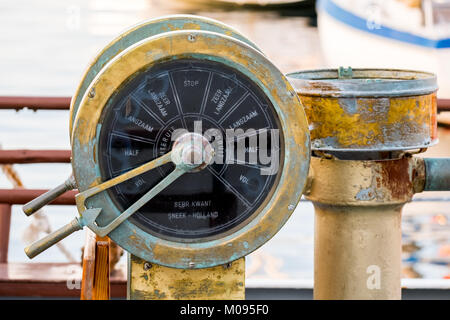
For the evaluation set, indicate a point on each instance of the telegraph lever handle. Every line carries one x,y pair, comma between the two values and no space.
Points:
184,153
44,199
43,244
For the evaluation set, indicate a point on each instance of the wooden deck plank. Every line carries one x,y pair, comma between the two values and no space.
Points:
50,280
87,283
101,277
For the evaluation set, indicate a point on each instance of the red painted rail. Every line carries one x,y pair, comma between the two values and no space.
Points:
34,285
443,104
35,103
34,156
63,103
22,196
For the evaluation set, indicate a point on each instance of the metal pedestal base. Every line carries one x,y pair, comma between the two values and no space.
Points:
148,281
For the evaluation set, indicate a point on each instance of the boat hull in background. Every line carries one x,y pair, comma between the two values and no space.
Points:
348,38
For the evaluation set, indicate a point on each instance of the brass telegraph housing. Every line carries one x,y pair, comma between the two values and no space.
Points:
165,74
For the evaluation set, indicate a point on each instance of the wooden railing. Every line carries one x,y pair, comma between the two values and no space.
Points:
63,103
37,279
9,197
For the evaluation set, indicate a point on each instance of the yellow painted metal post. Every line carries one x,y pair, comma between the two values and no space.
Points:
362,123
357,252
149,281
357,247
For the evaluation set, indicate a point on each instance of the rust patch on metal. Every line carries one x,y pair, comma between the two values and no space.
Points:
363,183
376,123
418,175
323,86
396,177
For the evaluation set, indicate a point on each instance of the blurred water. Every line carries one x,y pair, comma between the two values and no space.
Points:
45,47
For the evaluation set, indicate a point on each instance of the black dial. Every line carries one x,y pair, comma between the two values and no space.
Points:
196,95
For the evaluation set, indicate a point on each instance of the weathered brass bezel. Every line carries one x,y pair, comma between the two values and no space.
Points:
138,32
274,212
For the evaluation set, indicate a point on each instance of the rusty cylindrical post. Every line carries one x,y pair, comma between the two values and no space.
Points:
358,208
362,124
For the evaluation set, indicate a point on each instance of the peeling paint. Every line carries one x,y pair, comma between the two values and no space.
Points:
396,112
162,283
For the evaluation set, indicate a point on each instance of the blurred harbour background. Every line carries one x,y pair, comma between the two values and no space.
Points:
45,47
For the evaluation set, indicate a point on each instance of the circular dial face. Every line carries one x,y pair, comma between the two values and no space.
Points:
207,97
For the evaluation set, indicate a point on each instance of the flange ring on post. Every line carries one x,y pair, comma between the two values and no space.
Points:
173,57
361,110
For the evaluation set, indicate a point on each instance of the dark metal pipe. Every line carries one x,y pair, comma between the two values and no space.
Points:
34,156
437,174
22,196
